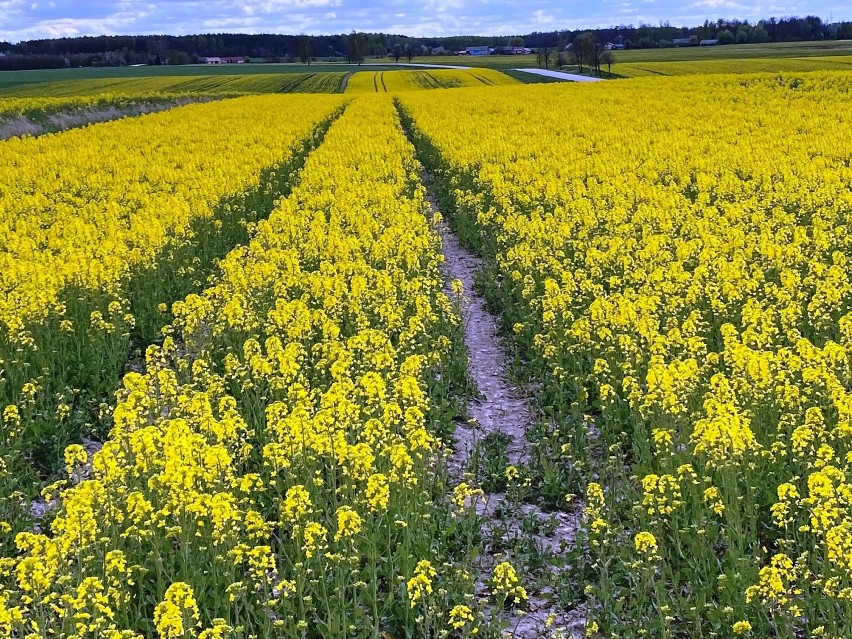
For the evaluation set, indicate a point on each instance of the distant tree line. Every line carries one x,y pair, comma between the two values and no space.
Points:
725,31
161,49
792,29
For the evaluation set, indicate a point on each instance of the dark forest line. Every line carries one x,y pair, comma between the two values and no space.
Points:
165,49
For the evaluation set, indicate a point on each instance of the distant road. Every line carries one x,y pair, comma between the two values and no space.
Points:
559,75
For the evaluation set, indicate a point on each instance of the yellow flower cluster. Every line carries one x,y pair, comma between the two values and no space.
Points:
177,613
673,256
504,580
420,585
271,470
646,544
460,616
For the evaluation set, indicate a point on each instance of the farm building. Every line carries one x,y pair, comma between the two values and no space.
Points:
478,50
709,43
223,60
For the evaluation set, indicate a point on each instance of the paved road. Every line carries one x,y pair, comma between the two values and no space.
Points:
559,75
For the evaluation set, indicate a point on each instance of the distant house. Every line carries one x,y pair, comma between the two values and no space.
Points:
709,43
681,42
237,59
478,50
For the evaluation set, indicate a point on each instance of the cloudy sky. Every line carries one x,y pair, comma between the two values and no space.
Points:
26,19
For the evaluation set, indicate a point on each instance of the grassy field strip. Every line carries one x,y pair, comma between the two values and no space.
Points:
204,84
285,436
10,79
734,65
155,221
685,312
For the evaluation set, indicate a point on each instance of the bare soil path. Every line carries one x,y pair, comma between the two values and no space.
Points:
344,82
504,409
501,407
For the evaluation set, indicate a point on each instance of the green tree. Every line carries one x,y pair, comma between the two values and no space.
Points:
305,45
178,57
397,52
760,34
357,44
726,37
594,58
607,57
581,50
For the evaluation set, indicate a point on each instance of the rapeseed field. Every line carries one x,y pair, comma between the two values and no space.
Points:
235,375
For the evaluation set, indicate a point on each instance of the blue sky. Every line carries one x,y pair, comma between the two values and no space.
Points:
26,19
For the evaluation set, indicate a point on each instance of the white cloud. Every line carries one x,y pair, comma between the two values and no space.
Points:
543,18
25,19
276,6
716,4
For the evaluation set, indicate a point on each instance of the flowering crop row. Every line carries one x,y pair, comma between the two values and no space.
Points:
101,229
87,206
273,472
674,263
